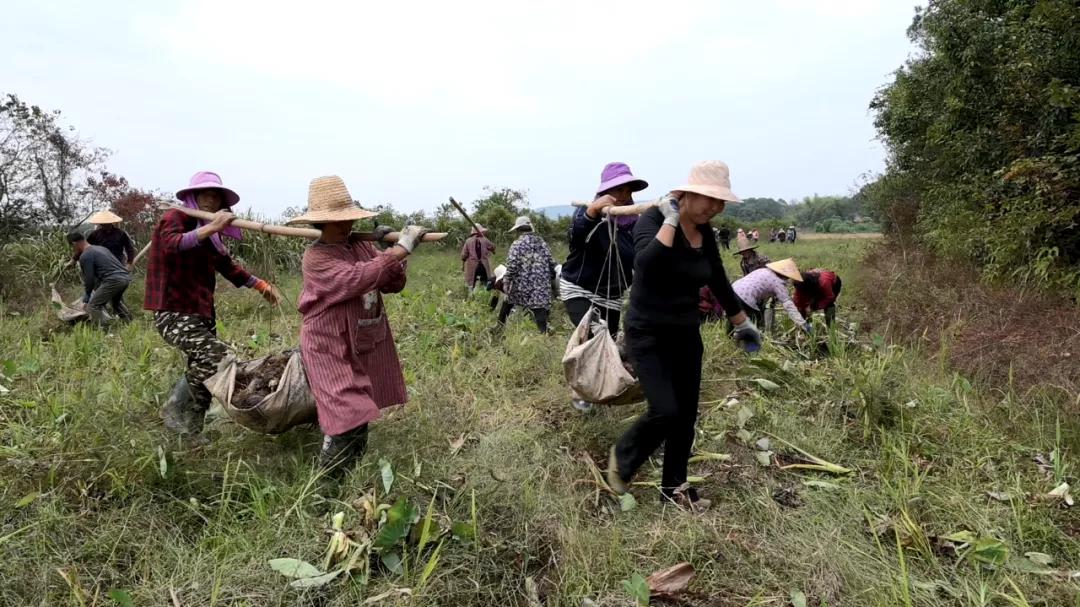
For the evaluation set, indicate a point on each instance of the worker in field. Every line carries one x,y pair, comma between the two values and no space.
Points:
346,344
750,259
186,255
791,234
476,258
530,270
105,280
818,290
600,267
724,235
676,255
108,234
758,288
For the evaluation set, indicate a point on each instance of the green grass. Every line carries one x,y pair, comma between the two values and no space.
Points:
98,497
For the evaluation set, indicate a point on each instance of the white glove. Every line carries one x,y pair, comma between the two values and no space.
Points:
411,236
669,208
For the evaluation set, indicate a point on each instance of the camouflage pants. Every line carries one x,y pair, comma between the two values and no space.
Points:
195,336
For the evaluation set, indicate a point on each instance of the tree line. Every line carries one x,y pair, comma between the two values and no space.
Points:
982,128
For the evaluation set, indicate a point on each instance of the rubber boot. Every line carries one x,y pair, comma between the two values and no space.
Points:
181,414
340,452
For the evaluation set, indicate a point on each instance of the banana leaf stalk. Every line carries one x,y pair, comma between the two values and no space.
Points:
817,463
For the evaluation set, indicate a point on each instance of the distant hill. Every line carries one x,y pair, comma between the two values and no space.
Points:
555,212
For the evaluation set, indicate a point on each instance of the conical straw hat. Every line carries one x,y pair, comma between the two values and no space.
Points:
786,267
329,200
103,217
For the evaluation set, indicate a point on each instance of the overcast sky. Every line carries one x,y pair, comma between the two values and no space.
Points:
412,102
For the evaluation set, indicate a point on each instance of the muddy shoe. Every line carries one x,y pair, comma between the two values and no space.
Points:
179,413
337,451
581,405
685,497
614,479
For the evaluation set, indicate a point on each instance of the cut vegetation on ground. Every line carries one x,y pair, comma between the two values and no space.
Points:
860,474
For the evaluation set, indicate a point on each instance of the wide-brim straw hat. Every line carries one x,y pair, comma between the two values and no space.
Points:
329,200
479,229
743,244
786,267
208,180
520,223
710,178
104,217
499,272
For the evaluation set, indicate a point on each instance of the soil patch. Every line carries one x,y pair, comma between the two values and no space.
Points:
251,387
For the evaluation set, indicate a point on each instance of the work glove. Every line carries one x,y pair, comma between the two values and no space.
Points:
269,292
411,236
747,334
669,208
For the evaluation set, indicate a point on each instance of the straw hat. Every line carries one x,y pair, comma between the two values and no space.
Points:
479,229
329,200
104,217
786,267
742,243
710,178
521,223
209,180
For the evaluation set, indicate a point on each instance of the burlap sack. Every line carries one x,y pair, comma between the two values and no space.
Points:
72,312
290,404
593,368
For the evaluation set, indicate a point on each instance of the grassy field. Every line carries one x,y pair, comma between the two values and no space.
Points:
942,499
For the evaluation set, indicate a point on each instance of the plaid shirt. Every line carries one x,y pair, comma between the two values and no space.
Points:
183,281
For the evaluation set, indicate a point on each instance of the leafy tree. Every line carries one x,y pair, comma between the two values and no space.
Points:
43,166
983,132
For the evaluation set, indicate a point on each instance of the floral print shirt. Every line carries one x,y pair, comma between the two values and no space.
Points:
530,269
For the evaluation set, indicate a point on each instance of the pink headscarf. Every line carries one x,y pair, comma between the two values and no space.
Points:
188,198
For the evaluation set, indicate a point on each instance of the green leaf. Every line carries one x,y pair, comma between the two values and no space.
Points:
399,520
1040,558
392,561
429,568
822,485
960,537
27,499
798,599
766,364
387,473
463,532
627,502
294,568
767,384
638,589
764,458
743,416
121,598
991,551
744,435
316,581
426,526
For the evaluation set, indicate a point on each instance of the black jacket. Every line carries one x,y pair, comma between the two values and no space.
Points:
585,266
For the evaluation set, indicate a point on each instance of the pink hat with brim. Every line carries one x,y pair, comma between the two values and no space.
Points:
207,180
616,174
710,178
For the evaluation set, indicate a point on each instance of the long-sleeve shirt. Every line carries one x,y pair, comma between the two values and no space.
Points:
530,268
116,241
594,269
98,265
759,286
756,261
667,280
348,350
817,291
183,280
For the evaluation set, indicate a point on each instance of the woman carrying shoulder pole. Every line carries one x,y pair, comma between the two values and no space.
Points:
675,256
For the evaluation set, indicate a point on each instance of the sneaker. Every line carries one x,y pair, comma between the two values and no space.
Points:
581,405
614,479
338,450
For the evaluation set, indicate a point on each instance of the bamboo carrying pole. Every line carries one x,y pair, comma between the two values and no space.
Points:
142,252
629,209
269,228
465,215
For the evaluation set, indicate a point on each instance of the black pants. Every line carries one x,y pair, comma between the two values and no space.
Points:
481,276
540,315
577,307
668,364
726,244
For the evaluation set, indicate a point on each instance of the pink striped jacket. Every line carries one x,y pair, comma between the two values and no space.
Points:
345,341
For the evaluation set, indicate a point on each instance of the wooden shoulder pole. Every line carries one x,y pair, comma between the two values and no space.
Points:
629,209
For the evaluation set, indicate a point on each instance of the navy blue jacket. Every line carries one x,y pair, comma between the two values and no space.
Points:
589,243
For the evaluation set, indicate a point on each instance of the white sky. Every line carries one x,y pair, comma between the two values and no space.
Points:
411,102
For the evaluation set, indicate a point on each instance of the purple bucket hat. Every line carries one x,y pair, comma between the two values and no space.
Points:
616,174
204,180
